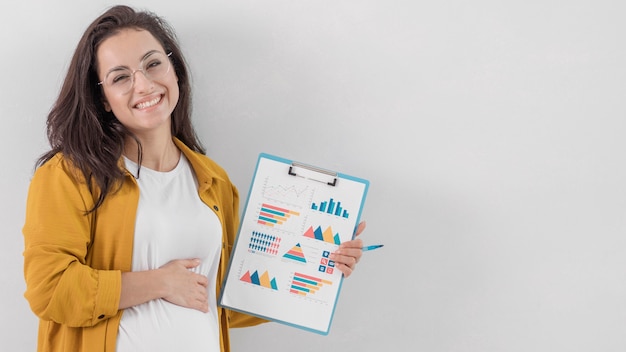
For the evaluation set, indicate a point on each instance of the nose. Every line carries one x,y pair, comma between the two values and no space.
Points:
141,82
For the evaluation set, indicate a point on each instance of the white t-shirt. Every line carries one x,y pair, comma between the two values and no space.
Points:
172,223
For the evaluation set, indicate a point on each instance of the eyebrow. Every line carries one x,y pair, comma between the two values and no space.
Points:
145,56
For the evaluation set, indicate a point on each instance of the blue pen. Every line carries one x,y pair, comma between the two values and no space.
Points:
372,247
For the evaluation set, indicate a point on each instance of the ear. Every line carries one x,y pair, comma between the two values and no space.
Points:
107,106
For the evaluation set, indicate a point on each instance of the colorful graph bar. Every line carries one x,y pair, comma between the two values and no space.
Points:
326,235
331,207
305,284
271,215
263,280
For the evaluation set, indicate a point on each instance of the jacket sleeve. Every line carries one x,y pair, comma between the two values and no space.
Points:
60,286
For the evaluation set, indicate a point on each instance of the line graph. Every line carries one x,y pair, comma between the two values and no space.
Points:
292,193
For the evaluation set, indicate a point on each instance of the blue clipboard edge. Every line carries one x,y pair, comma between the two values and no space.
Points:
261,156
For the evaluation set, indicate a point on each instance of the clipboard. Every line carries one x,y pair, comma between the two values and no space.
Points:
295,216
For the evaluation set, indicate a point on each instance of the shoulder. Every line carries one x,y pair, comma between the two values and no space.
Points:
58,168
57,183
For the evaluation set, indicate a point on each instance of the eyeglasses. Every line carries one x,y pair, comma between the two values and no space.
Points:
121,79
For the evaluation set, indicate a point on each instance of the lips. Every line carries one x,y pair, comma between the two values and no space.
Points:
149,103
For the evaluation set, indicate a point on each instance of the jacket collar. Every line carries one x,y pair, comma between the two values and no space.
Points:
204,174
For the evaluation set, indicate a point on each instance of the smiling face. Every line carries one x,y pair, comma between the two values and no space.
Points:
147,107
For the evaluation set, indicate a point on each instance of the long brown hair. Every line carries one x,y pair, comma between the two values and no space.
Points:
79,127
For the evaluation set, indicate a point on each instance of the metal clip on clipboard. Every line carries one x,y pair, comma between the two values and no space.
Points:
313,173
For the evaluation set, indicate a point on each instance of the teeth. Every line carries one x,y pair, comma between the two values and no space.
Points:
148,104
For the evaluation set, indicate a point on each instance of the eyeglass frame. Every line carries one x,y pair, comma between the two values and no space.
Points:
140,69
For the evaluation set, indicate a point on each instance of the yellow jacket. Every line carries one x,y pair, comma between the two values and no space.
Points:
73,262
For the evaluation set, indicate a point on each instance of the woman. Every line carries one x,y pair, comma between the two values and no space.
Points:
128,224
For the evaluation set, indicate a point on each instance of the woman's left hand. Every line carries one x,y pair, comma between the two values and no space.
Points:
349,253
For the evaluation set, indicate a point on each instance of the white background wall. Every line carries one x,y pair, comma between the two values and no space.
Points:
492,133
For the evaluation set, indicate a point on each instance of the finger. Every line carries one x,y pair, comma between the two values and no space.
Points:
202,295
204,300
351,249
360,228
201,305
346,270
344,259
352,254
355,244
203,281
201,300
191,263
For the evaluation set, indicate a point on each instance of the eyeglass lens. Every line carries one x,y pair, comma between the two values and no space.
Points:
155,66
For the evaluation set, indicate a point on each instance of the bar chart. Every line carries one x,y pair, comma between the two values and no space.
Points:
305,285
271,215
331,207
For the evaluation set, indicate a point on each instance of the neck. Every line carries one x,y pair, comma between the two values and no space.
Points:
159,154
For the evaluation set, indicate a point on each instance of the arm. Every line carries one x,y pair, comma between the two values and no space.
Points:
173,282
61,286
57,235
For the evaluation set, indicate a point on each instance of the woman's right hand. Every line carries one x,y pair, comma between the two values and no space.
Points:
184,287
